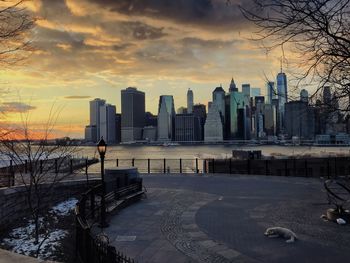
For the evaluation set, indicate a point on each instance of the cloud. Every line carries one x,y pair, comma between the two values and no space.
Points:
15,107
74,97
208,13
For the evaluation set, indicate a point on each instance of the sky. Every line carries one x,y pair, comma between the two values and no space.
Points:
86,49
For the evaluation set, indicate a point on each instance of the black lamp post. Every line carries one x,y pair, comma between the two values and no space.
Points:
102,147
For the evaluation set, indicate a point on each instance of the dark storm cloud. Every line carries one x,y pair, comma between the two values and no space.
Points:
210,13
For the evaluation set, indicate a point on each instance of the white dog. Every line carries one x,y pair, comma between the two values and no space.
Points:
281,232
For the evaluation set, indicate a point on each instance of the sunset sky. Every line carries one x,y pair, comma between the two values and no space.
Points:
94,48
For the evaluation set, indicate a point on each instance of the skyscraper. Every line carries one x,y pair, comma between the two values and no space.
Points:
300,120
108,123
187,127
282,97
327,95
189,101
95,117
236,102
233,86
133,114
246,90
304,96
213,128
219,101
270,91
166,115
199,110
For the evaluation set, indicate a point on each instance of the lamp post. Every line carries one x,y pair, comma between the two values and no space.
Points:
102,147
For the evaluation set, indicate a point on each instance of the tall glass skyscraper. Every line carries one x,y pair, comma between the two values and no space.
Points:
133,114
189,101
95,118
166,115
108,123
219,101
282,97
270,91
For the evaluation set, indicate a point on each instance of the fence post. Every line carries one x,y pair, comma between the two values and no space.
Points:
117,162
328,169
248,166
25,166
11,167
164,165
335,167
197,171
306,169
230,165
286,167
86,171
149,165
71,166
213,166
92,203
133,162
56,167
294,167
180,166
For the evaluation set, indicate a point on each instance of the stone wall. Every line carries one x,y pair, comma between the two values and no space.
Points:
14,206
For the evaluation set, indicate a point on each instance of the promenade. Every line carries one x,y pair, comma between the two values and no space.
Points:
196,218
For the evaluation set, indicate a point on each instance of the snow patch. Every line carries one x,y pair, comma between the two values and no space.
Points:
63,208
21,240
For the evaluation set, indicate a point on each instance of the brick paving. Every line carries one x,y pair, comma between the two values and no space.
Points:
222,219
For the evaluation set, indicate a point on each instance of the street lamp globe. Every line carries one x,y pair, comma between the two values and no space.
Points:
102,147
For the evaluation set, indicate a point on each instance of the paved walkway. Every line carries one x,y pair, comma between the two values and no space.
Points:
222,219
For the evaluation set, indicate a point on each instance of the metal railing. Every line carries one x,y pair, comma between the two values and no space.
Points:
92,248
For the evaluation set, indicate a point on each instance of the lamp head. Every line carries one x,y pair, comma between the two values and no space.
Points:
102,147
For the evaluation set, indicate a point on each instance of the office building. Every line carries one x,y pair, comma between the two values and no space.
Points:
187,128
246,90
199,110
300,120
219,101
236,102
90,133
95,117
149,133
327,95
108,123
213,128
233,86
304,96
133,114
182,110
118,127
282,95
151,120
189,101
166,115
270,91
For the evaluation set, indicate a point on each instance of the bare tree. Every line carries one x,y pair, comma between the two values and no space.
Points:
39,164
318,30
15,25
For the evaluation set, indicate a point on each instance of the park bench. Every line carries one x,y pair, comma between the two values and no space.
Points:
338,194
124,195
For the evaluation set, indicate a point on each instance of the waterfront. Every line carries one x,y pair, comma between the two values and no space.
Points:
212,151
188,154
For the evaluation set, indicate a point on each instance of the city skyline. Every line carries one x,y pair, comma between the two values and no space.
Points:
89,49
